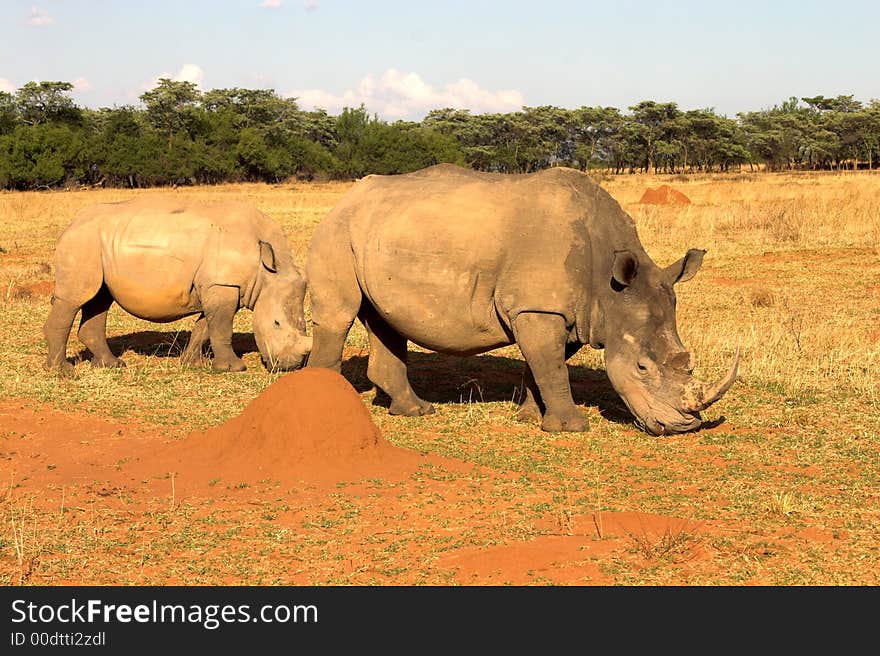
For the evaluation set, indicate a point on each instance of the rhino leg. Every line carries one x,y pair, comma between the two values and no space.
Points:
386,367
192,354
93,329
57,331
220,304
529,410
336,299
542,339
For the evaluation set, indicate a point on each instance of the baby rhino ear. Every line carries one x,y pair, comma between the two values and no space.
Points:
686,268
267,256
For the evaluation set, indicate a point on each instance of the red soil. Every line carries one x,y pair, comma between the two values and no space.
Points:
308,426
664,195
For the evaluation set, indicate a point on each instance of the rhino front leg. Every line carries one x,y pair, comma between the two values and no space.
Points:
386,367
93,329
336,299
542,339
531,408
192,354
56,330
220,304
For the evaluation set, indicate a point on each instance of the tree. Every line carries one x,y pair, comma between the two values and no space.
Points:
656,131
592,129
43,102
8,115
168,105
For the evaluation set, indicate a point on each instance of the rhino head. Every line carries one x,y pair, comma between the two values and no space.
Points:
279,325
644,357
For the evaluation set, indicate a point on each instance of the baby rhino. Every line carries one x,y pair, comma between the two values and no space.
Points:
163,259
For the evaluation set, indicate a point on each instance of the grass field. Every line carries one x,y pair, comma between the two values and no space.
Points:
782,490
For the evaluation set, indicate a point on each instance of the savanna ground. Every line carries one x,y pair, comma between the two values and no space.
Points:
780,489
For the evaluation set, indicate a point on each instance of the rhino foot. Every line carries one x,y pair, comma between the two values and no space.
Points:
411,408
229,365
197,360
108,363
574,422
528,412
63,368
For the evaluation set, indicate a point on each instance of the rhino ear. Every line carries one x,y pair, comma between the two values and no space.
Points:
686,268
267,256
624,268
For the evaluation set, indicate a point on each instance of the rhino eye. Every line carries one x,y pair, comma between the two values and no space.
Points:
642,368
277,323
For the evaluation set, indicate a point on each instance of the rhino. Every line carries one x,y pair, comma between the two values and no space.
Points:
462,262
162,259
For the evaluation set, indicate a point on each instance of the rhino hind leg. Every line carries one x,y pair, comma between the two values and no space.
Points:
192,354
386,367
220,304
541,338
93,329
529,408
56,330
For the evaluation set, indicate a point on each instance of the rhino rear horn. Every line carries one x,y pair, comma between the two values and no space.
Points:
267,256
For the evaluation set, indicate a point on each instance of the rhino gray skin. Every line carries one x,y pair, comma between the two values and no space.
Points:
462,262
162,259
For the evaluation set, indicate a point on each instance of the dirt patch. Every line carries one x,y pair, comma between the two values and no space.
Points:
571,548
736,282
664,195
37,289
808,254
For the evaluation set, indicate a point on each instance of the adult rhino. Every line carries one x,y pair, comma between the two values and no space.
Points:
462,262
162,259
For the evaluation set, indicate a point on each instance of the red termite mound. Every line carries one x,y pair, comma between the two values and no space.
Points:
664,195
309,425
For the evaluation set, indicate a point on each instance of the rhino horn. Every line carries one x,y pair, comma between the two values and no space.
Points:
698,395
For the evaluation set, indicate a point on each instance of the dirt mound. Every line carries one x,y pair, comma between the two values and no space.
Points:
309,425
664,195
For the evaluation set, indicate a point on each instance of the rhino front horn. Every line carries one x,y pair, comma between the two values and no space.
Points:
698,396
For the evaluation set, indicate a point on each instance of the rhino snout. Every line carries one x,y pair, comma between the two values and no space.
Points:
292,358
656,426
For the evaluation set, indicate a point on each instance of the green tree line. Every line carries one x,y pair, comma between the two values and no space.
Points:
181,135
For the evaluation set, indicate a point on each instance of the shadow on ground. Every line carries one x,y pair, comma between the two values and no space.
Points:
440,378
435,377
159,344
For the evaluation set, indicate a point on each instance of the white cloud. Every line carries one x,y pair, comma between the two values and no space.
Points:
407,95
190,73
82,84
39,17
187,73
310,5
7,86
271,4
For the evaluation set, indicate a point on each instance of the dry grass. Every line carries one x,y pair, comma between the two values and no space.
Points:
792,275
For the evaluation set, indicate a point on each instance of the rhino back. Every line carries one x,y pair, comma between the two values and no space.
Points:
448,256
156,253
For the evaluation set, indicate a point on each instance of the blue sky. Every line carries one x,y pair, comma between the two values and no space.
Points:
403,58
